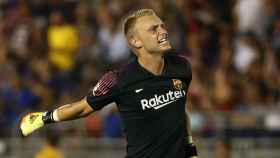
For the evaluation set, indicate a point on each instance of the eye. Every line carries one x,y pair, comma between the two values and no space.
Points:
163,26
153,28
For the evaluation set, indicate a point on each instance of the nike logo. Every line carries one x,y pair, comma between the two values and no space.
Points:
138,90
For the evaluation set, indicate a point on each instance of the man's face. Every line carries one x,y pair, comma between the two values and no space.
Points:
152,33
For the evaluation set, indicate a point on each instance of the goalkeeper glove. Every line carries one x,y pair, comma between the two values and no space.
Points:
34,121
190,148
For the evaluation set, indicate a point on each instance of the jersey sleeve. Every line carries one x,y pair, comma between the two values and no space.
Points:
104,92
187,69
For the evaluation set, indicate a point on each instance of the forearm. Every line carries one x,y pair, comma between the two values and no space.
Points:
36,120
72,111
68,112
189,131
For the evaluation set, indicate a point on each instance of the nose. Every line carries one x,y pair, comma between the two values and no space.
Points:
162,30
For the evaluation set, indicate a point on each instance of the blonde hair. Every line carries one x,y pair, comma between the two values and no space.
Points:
130,20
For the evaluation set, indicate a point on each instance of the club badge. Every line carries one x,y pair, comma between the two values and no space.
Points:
177,84
32,118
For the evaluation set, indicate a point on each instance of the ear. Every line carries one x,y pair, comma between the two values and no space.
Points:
134,42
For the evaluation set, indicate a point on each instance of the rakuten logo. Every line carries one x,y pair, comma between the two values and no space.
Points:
159,101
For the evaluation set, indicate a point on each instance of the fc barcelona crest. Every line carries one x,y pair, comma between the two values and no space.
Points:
177,84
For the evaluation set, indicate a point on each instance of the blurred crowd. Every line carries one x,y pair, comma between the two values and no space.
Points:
53,51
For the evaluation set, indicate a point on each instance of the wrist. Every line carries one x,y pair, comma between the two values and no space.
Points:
190,148
189,140
50,117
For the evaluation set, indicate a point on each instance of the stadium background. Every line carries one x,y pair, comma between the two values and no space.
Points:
53,51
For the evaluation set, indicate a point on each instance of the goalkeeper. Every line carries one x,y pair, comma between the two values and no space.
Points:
150,93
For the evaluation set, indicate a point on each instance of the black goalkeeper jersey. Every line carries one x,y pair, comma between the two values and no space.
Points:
152,108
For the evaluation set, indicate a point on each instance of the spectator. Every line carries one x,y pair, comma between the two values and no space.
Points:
63,42
46,47
50,148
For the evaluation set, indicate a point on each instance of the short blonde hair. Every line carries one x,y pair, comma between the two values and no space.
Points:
130,20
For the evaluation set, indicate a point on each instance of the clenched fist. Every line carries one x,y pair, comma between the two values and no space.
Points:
34,121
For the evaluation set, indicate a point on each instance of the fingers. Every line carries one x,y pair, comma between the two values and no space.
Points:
30,123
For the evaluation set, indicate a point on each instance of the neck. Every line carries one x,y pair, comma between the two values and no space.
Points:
152,63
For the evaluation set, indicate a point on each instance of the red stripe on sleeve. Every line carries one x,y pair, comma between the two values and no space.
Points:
104,85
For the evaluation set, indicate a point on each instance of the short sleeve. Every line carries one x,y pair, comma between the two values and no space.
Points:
187,68
104,92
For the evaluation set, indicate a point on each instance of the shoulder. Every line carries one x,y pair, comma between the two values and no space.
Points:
178,66
105,83
118,73
179,58
128,68
178,61
130,73
114,79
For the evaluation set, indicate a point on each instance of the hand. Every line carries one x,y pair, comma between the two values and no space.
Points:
190,148
191,151
31,122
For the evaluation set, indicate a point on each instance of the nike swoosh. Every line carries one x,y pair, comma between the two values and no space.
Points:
138,90
162,105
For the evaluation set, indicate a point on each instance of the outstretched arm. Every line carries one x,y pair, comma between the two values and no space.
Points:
96,99
36,120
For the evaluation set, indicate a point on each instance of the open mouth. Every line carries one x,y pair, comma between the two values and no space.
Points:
163,40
